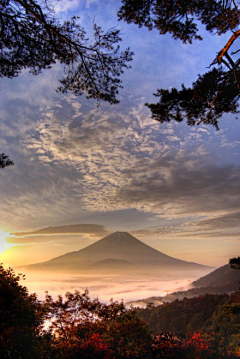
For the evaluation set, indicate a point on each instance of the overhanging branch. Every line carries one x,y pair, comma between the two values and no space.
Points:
224,50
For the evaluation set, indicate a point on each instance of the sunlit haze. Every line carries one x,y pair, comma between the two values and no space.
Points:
3,243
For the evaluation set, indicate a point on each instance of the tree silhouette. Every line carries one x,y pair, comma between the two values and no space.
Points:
78,327
235,263
21,318
5,161
215,92
86,328
32,37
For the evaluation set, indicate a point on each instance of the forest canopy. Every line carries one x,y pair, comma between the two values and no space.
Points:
79,327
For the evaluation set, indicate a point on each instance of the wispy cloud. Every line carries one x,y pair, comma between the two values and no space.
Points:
125,163
85,159
89,230
191,231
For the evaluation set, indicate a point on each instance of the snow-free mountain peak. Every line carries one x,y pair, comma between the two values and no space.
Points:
118,246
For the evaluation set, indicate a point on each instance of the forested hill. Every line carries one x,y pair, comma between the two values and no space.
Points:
224,277
222,280
210,313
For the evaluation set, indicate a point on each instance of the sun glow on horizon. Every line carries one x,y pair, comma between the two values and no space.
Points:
3,243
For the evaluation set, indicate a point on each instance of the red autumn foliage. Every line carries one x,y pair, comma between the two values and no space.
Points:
193,346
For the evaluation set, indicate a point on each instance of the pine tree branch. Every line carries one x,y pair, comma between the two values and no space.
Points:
220,55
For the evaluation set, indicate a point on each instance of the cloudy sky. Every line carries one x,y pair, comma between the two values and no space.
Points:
83,171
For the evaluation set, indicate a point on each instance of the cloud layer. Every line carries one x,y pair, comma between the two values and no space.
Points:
113,168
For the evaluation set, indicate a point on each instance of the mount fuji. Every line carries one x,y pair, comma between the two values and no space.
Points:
118,253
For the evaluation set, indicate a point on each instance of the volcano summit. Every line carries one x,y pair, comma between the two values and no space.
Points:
121,253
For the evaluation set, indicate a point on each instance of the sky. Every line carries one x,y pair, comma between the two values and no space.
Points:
83,171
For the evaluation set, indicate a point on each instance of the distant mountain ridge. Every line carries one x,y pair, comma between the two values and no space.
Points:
223,276
113,264
220,281
118,251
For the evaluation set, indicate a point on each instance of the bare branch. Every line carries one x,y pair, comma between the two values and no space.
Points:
226,47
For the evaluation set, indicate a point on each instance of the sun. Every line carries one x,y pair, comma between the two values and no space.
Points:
3,243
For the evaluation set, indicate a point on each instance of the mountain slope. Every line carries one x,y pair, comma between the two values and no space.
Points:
119,246
223,276
220,281
112,264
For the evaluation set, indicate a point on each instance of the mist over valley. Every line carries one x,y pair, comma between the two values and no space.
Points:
118,266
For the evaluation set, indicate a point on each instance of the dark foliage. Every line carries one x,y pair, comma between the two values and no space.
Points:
208,327
31,37
212,95
82,328
5,161
192,346
180,17
21,319
217,91
182,316
235,263
87,328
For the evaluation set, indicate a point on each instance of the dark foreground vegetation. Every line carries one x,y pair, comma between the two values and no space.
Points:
78,327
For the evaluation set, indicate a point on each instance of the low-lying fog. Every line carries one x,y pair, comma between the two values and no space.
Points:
105,287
